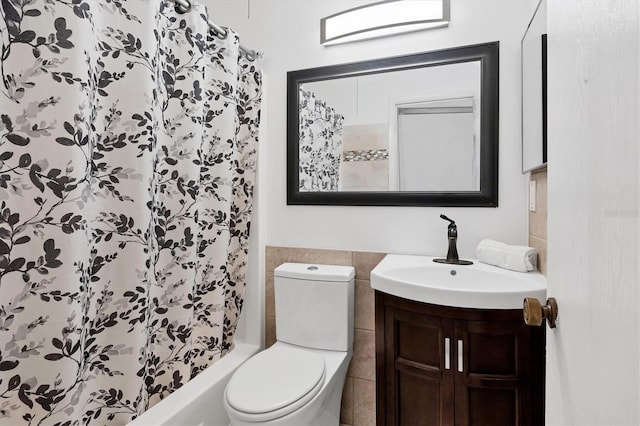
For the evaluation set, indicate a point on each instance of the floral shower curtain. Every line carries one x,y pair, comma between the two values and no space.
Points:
128,140
320,136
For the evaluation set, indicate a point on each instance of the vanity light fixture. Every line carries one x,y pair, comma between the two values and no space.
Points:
384,18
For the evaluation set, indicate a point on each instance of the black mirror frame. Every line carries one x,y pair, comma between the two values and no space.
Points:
487,196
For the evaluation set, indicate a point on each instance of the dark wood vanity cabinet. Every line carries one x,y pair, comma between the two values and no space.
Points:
438,365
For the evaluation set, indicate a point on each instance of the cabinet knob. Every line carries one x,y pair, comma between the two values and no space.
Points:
534,313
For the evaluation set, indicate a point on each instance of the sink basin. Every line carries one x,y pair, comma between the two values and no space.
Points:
479,286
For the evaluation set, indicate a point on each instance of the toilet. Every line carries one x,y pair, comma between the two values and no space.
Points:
299,380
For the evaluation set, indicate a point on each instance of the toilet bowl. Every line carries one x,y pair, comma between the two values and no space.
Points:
299,380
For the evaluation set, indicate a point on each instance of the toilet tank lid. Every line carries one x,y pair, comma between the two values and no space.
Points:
315,272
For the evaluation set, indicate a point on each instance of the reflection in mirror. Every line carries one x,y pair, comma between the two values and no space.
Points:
433,145
534,90
414,130
372,133
320,144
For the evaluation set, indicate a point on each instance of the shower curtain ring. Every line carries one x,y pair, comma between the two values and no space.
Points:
182,6
222,33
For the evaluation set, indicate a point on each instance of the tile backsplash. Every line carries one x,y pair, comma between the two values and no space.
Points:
358,398
538,219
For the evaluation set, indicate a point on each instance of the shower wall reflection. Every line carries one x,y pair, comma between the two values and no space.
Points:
365,158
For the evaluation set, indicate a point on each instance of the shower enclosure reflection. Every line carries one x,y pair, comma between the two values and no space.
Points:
432,145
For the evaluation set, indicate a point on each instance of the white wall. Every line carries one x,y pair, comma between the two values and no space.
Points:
593,376
288,33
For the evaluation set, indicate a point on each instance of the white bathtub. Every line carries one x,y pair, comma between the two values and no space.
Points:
200,401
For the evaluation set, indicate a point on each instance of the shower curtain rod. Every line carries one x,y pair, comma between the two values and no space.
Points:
184,6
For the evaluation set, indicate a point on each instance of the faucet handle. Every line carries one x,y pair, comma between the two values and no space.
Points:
446,218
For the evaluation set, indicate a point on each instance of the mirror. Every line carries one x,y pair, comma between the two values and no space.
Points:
417,130
534,90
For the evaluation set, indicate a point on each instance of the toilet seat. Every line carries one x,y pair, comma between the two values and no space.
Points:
274,383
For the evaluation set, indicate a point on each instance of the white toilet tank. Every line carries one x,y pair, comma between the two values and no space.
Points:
314,305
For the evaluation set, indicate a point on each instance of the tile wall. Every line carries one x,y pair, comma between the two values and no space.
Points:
365,164
538,219
358,398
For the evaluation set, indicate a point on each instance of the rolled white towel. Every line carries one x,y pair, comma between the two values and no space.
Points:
515,258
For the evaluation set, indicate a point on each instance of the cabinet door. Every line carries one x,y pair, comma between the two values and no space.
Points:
494,374
418,377
493,380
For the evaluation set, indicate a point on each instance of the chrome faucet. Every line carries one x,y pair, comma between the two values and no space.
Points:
452,253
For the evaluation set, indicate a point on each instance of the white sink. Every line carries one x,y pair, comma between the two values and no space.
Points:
478,286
